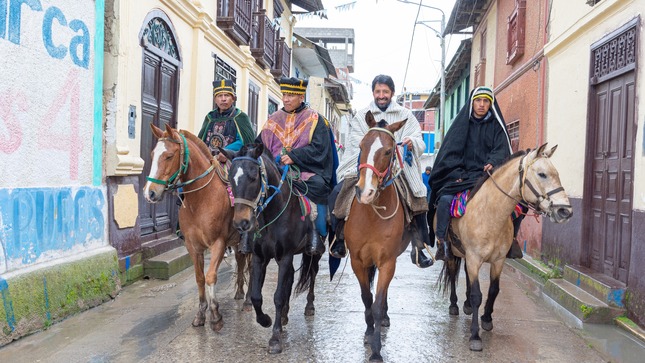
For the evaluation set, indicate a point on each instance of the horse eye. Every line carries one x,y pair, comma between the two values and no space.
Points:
388,152
542,175
169,156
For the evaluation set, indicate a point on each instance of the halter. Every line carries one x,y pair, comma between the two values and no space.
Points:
184,159
261,201
523,171
385,178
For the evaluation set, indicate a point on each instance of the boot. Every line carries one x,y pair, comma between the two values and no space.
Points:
337,248
315,245
420,243
515,251
244,246
443,250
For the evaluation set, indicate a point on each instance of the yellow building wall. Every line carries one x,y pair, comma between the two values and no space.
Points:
568,53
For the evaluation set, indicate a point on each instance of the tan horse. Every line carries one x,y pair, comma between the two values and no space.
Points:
485,231
180,159
375,231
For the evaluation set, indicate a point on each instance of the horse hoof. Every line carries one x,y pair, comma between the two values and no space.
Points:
217,325
376,358
247,306
199,321
467,309
264,320
487,325
385,322
275,347
310,311
453,310
476,345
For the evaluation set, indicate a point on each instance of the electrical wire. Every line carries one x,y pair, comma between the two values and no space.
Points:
414,28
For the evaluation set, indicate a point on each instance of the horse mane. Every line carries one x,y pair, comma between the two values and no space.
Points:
481,180
197,141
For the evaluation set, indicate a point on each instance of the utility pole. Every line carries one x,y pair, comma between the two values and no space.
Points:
439,129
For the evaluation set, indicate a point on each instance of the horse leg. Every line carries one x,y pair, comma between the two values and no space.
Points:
288,287
493,291
453,276
467,307
385,322
310,310
217,254
258,273
280,298
386,272
198,264
243,265
363,276
475,302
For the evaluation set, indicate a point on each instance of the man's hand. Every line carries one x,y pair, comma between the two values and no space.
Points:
286,159
221,158
407,142
487,167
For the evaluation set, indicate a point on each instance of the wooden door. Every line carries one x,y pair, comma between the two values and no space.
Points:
612,176
159,89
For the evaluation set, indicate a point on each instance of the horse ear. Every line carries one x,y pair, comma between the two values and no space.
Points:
540,150
230,155
256,150
396,126
156,131
369,119
550,152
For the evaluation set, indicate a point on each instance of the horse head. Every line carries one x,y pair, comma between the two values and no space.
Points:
540,185
377,155
169,159
247,177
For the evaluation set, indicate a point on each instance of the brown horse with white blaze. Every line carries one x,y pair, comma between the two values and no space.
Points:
485,232
181,160
375,231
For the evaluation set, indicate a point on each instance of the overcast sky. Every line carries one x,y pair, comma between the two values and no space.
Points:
383,34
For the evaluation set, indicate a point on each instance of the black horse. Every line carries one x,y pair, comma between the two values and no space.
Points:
267,206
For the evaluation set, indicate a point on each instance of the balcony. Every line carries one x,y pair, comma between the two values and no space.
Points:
282,66
263,47
235,18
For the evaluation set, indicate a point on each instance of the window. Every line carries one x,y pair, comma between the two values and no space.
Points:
515,36
273,106
420,115
514,134
223,71
254,98
277,9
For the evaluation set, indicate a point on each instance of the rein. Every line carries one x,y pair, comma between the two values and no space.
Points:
523,171
184,159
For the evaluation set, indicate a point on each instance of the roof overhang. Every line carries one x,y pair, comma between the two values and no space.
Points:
309,5
459,62
465,14
337,91
314,59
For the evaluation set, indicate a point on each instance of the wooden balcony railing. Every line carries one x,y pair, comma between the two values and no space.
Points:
282,66
235,18
264,40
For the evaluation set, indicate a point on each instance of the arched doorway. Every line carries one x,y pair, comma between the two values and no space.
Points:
159,93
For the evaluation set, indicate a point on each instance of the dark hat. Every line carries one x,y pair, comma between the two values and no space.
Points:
293,85
429,168
223,85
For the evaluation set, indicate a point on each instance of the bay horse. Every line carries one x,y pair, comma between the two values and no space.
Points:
485,231
181,160
266,203
375,231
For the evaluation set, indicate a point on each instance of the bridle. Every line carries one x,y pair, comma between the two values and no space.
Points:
259,203
173,182
385,178
523,171
535,207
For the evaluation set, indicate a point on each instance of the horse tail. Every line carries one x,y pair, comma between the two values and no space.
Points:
371,275
308,271
449,274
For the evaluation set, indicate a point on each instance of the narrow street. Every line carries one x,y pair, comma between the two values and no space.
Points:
150,321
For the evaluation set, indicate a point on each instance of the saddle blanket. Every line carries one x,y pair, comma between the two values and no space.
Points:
460,200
